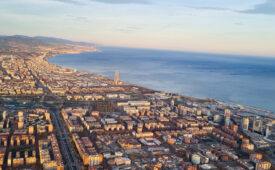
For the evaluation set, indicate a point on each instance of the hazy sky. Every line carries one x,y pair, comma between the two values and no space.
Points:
223,26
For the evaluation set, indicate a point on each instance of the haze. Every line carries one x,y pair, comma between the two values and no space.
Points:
217,26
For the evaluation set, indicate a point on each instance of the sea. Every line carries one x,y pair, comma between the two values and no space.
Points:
240,79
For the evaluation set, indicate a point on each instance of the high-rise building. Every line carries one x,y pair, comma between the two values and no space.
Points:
116,79
4,115
20,114
267,129
20,124
226,117
257,124
217,118
172,103
198,112
20,120
245,123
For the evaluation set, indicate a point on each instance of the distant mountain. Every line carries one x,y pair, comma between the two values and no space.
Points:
60,40
51,39
23,40
21,43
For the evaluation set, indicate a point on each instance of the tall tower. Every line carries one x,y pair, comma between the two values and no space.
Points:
227,117
116,79
245,123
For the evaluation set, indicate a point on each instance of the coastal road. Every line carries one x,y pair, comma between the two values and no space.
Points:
71,161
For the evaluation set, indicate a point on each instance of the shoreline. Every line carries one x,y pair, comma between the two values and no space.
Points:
125,83
70,52
250,108
45,58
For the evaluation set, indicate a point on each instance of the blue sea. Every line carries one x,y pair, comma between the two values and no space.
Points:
240,79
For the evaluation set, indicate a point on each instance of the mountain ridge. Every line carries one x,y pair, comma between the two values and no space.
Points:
20,43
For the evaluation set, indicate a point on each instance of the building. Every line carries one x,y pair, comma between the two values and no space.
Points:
257,124
245,123
263,165
4,115
48,147
86,150
2,155
217,118
267,129
226,117
247,147
116,78
195,159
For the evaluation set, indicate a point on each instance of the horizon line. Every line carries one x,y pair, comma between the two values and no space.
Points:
145,48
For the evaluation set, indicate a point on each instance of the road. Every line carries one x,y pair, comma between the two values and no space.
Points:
65,147
71,161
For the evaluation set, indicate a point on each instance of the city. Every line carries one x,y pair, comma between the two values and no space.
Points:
60,118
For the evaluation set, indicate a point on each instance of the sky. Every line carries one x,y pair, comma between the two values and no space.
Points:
217,26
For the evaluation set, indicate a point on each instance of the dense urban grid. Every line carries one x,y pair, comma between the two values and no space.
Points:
59,118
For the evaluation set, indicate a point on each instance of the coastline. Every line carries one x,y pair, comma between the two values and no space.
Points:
124,83
251,108
70,52
46,56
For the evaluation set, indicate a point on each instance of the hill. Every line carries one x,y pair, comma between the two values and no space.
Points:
24,44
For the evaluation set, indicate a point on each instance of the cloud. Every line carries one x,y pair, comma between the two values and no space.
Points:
266,8
77,2
128,29
79,18
238,23
211,8
123,1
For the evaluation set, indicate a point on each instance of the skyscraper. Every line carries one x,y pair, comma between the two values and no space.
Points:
4,115
257,124
267,129
226,117
172,103
116,79
245,123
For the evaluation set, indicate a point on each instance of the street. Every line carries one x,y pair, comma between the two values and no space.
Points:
71,161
